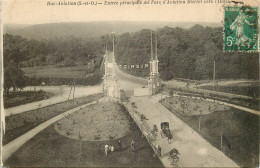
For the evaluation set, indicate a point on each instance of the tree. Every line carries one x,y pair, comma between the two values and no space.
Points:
185,53
7,80
15,51
20,80
13,78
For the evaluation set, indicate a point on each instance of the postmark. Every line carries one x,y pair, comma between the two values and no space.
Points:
241,28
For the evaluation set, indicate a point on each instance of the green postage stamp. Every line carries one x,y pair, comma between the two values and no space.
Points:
240,29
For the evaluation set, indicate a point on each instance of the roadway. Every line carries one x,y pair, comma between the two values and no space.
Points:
61,94
194,150
129,82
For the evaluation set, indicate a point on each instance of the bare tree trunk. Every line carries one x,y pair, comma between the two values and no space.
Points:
7,91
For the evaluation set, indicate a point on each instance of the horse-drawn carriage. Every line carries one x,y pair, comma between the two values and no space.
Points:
165,131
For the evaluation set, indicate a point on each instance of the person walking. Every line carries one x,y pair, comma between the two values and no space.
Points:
112,148
132,143
133,149
106,149
133,146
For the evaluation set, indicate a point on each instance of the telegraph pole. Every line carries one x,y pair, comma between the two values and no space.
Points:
74,88
34,87
80,150
113,45
151,70
214,76
221,136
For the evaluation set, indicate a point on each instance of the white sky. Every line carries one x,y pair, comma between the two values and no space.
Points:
37,12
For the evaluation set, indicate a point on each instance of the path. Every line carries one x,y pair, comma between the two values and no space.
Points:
194,150
14,145
195,89
130,82
61,95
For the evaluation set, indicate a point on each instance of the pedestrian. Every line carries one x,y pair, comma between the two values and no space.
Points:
132,143
133,149
119,145
106,149
112,148
133,146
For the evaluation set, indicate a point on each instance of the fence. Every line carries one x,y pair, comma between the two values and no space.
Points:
143,126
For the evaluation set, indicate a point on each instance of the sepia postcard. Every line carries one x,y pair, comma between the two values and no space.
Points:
130,83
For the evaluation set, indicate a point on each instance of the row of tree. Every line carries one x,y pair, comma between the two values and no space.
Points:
66,51
186,53
182,53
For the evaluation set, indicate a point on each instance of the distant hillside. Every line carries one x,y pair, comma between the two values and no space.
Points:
89,29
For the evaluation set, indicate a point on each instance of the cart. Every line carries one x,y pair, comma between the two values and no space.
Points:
165,129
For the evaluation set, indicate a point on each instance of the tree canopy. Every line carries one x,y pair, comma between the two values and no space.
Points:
186,53
65,51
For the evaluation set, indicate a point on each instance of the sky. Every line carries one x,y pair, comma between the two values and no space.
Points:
38,12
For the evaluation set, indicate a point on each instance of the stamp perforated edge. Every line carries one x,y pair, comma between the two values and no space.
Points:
223,31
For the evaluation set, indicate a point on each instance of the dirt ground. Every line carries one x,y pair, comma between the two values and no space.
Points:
99,122
51,149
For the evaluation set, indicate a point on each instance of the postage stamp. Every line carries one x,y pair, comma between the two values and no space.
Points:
240,28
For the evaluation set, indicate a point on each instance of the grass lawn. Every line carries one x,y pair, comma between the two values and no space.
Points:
56,72
240,132
52,75
248,103
247,89
18,124
23,97
51,149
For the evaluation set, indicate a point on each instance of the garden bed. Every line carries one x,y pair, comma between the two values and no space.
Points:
98,122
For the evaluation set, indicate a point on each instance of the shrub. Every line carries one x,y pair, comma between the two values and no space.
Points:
111,137
97,137
174,155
